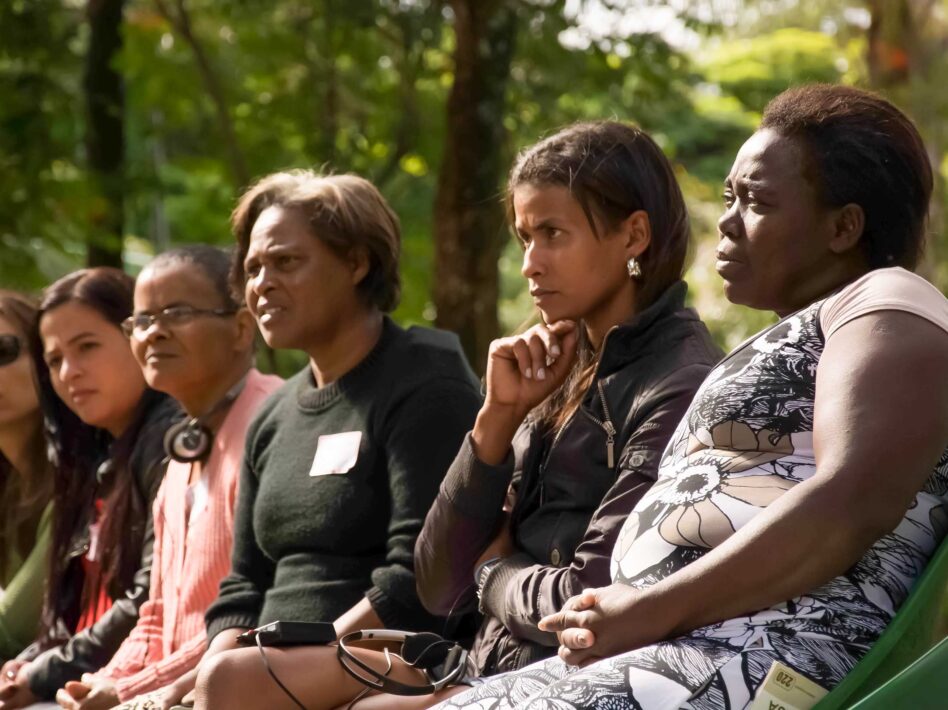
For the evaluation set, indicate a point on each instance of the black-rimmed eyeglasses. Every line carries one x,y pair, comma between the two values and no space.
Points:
171,317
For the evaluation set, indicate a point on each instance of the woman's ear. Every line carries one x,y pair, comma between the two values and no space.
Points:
359,264
636,230
850,224
246,330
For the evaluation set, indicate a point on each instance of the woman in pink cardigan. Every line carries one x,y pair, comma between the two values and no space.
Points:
195,342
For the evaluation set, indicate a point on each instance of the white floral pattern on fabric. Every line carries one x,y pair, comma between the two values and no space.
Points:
746,439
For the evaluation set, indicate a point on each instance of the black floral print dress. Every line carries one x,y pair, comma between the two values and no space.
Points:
746,439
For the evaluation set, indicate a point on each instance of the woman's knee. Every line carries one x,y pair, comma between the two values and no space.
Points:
223,681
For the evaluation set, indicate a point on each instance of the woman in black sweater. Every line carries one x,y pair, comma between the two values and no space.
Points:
578,411
343,461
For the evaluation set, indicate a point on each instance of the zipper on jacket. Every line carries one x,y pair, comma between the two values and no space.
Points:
607,426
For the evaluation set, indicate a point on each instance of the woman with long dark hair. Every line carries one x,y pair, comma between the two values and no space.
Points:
578,410
107,429
26,481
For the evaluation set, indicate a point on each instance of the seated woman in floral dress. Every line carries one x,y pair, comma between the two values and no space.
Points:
807,486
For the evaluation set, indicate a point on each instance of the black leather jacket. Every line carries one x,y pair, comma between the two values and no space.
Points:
570,502
61,656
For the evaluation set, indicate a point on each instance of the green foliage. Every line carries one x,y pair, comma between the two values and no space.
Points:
757,69
363,86
44,195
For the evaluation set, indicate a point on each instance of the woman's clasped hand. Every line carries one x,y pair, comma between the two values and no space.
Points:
603,622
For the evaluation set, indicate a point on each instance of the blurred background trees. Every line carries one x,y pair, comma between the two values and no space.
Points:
127,126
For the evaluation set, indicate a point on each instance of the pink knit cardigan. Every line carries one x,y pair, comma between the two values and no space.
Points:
189,561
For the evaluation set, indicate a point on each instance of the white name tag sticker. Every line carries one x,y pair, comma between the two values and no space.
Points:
336,453
786,689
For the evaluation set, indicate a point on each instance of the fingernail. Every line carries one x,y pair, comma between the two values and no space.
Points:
555,350
541,374
529,374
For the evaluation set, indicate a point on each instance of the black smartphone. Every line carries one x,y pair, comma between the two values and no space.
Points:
290,633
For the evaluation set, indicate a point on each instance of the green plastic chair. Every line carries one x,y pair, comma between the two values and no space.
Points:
913,631
921,686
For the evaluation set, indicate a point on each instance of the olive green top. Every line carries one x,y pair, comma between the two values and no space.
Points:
22,585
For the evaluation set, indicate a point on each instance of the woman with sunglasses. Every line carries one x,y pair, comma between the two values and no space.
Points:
194,341
107,429
26,482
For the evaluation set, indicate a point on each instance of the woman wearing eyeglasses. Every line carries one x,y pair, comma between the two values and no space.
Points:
107,429
26,482
193,341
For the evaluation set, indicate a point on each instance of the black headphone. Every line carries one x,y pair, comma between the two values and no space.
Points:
443,662
190,440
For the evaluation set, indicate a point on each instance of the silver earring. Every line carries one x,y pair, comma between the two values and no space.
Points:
635,270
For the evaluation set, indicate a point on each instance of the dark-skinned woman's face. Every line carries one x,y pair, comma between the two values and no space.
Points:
298,289
775,234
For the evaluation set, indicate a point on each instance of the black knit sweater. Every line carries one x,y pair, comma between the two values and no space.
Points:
308,547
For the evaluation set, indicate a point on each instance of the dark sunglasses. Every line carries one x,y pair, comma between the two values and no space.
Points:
10,348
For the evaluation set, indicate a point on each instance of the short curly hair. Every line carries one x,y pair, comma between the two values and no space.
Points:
861,149
345,212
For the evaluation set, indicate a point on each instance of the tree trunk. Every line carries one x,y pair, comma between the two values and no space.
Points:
468,214
890,39
105,131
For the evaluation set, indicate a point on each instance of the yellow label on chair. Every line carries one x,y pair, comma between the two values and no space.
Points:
786,689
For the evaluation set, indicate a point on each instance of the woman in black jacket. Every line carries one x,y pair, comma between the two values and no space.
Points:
577,413
107,429
576,443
